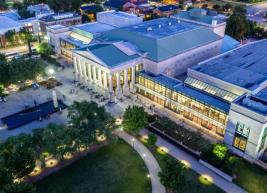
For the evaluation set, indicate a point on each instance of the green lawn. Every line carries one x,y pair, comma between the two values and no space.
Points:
251,177
115,168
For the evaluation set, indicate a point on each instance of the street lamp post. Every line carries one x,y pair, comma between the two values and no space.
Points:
133,139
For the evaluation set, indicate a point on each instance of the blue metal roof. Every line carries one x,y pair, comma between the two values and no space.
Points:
228,44
168,8
245,66
198,95
163,38
114,57
198,15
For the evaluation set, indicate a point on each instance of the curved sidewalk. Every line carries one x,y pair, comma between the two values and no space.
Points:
150,161
181,155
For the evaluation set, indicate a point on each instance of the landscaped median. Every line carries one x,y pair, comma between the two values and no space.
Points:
194,183
216,156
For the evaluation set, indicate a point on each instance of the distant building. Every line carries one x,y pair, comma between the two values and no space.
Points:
40,10
12,14
66,19
9,25
118,18
203,17
118,4
166,10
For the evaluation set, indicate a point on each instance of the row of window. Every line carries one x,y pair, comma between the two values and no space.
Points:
182,99
182,111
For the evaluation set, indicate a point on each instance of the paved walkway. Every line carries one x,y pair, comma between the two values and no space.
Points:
179,154
150,161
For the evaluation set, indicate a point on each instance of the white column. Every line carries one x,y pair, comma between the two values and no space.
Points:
111,91
80,70
76,73
133,79
89,72
118,90
84,72
105,80
126,86
99,77
94,75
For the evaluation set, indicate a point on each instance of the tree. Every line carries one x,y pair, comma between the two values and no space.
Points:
10,36
237,24
173,174
5,178
88,121
227,7
17,155
216,7
4,73
2,89
85,18
27,37
19,188
3,5
45,50
2,57
134,118
20,161
204,6
152,139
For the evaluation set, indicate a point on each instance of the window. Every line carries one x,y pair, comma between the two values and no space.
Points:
242,129
240,143
263,139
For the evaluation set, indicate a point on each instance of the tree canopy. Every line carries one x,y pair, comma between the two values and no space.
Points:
19,154
19,70
152,139
173,174
44,49
134,118
239,27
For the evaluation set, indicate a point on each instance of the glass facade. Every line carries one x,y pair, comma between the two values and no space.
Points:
66,48
190,108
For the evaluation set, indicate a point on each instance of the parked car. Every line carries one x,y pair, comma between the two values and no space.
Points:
35,86
3,99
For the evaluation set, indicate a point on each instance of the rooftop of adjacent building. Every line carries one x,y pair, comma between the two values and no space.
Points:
83,34
120,3
11,13
39,8
93,27
8,24
59,16
198,95
245,66
256,103
167,8
118,14
56,27
159,37
199,15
